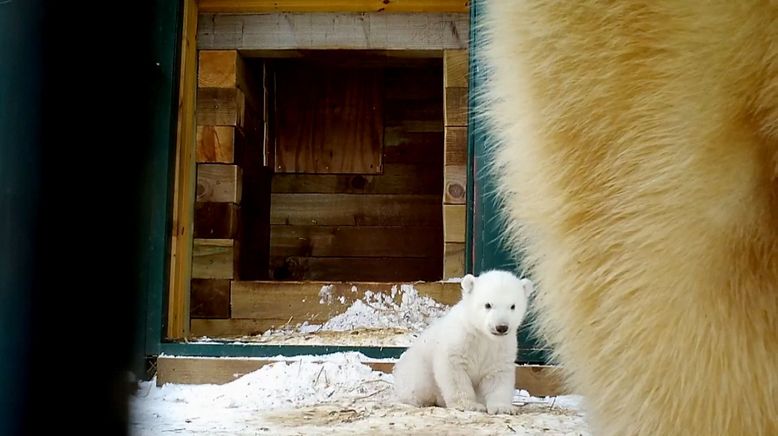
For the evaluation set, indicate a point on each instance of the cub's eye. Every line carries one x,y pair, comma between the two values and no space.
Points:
488,306
513,306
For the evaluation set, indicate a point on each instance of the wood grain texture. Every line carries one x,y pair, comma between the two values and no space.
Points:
396,179
184,181
210,299
329,119
454,260
214,259
220,107
216,220
455,184
456,107
357,268
356,31
360,210
216,144
455,69
404,6
355,241
219,183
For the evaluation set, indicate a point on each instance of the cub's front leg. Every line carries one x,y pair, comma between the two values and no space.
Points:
497,391
454,384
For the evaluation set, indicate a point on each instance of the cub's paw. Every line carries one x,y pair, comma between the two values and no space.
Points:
470,406
501,409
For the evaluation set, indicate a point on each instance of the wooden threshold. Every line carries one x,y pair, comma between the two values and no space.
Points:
538,380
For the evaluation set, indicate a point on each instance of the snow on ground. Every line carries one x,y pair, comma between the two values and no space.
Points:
305,396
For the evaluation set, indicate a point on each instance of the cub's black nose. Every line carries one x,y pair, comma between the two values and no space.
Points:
502,329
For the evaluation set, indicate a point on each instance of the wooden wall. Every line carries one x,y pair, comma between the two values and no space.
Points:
372,227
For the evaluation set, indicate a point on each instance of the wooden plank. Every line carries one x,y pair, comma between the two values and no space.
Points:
454,223
396,179
278,303
355,210
216,220
355,241
210,299
537,380
454,260
329,119
356,31
456,106
215,328
401,146
360,268
220,107
263,6
216,144
219,183
455,191
214,259
456,145
184,182
455,69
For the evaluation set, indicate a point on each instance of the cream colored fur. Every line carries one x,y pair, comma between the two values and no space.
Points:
638,165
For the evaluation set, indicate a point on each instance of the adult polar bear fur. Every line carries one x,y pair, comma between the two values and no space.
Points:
465,359
638,166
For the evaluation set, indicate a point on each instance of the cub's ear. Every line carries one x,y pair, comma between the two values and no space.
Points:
529,288
468,284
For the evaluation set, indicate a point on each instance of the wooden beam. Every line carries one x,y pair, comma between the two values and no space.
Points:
453,260
455,184
538,380
264,6
219,183
456,106
359,210
220,69
278,303
358,268
355,31
216,144
454,223
221,107
210,299
214,259
456,145
184,185
396,179
354,241
222,328
455,69
216,220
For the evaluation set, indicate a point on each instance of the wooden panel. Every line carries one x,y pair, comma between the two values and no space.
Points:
454,223
455,66
220,107
210,298
537,380
216,144
226,327
456,146
455,184
414,84
260,6
355,241
377,31
216,220
396,179
219,183
279,303
360,268
255,222
454,260
214,259
456,106
360,210
184,184
329,120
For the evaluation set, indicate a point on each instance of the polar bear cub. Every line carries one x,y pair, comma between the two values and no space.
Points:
465,359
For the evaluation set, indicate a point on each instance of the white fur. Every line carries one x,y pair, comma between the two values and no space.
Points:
461,361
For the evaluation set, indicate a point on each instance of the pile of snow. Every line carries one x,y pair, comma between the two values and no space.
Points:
304,381
378,310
